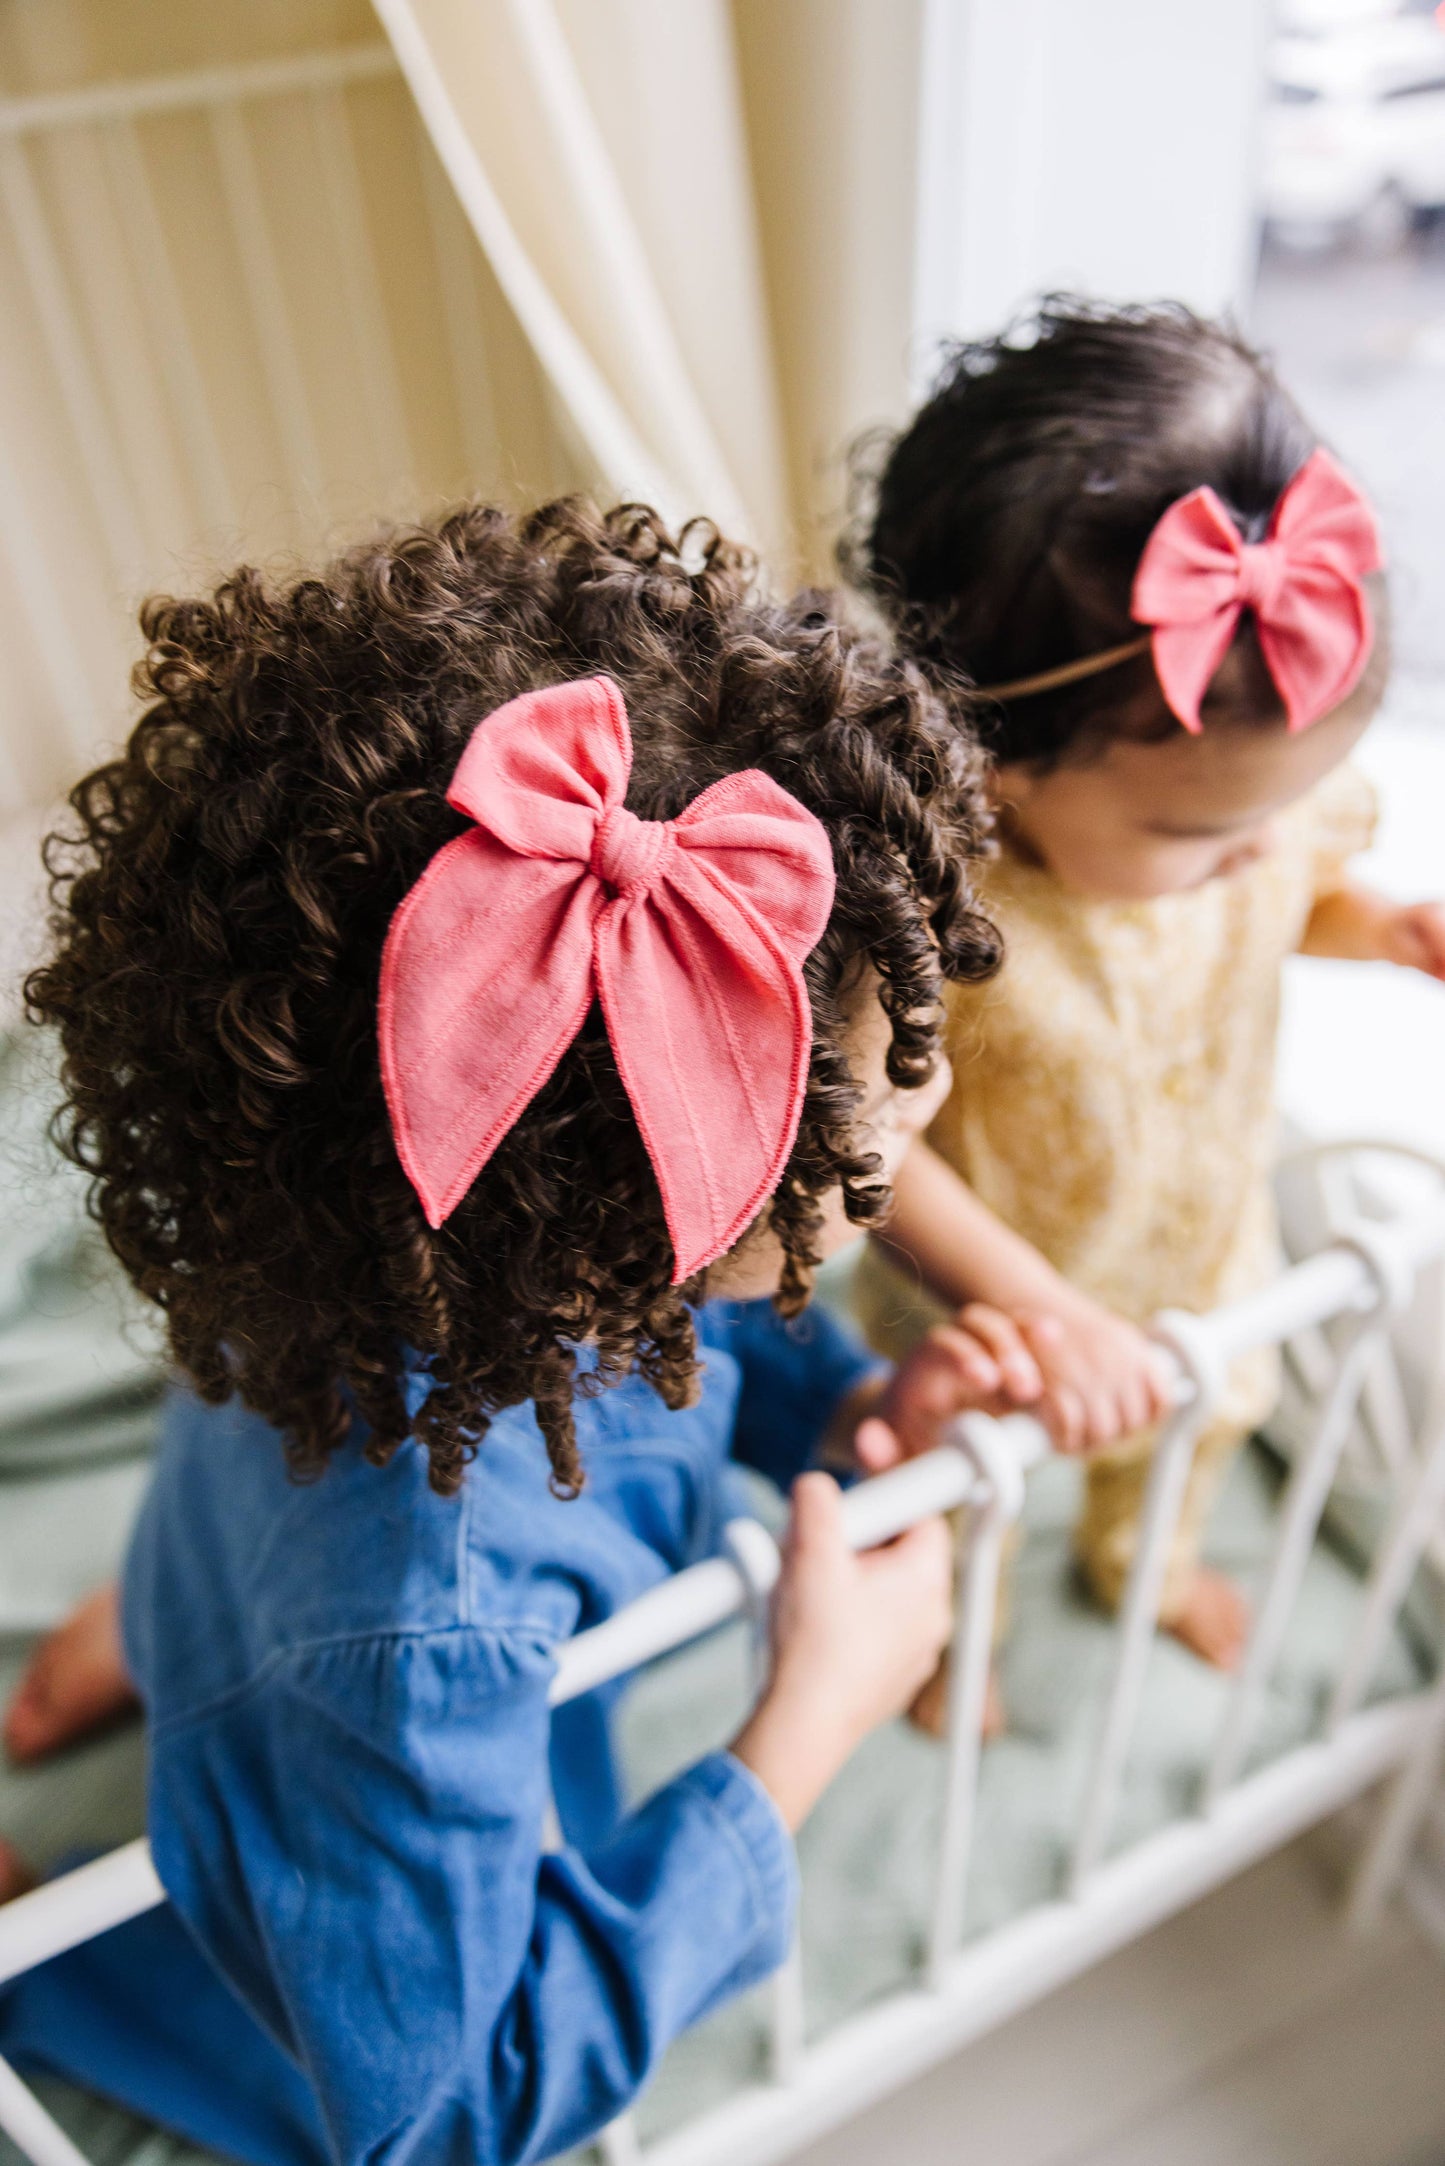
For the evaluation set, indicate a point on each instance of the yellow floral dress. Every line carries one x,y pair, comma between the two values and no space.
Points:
1113,1102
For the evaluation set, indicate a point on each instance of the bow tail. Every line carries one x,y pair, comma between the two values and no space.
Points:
1316,643
711,1032
1186,657
486,979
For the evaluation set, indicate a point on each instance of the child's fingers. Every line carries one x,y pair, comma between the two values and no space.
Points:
1136,1404
875,1446
1163,1375
966,1358
920,1558
1017,1369
1104,1422
816,1527
1061,1410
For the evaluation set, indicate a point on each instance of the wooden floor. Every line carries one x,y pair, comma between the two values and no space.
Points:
1250,2031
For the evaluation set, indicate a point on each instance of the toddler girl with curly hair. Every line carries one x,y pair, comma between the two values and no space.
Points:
493,977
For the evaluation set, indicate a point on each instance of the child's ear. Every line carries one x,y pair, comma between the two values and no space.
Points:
1010,782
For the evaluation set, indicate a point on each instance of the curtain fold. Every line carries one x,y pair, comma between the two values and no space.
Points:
270,275
572,232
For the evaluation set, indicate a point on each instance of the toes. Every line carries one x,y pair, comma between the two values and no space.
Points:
1212,1620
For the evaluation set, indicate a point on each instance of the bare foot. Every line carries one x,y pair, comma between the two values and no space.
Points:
77,1682
1212,1619
16,1877
929,1711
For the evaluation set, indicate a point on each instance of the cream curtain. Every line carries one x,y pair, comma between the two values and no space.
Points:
270,273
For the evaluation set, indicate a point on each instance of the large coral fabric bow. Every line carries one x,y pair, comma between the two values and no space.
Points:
690,932
1302,582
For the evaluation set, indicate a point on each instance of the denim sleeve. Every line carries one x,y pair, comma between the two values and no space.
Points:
794,1373
358,1844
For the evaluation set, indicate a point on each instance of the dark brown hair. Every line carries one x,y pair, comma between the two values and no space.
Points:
1008,519
219,918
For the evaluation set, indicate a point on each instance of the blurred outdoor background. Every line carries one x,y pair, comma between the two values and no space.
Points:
273,271
1350,297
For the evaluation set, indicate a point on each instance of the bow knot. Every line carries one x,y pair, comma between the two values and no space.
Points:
1263,570
628,853
1302,582
494,959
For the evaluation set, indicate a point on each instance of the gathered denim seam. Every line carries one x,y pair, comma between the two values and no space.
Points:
532,1629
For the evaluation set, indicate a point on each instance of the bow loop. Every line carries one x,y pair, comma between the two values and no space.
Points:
689,933
1303,584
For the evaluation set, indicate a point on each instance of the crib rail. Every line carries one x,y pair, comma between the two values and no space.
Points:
1357,1286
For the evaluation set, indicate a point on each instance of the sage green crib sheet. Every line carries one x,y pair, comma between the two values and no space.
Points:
77,1399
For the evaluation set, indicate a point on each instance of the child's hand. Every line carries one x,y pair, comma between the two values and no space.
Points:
1103,1378
1414,935
1087,1375
854,1639
986,1363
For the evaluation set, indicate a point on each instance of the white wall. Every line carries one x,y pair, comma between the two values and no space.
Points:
1107,146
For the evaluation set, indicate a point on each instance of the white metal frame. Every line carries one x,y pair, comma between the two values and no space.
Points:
1362,1278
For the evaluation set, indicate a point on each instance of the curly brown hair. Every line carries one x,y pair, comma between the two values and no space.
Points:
218,925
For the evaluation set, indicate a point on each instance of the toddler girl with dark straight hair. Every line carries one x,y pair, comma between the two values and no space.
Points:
1171,598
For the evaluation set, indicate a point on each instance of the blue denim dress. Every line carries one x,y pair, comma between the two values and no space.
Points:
368,1954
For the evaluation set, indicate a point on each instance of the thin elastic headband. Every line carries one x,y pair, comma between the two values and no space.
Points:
1088,665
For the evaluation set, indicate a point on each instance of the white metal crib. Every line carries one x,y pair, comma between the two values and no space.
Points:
1337,1309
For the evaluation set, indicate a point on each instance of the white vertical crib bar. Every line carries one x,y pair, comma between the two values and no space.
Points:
1191,1342
75,380
1417,1512
356,261
164,311
1304,1503
757,1558
1382,1399
265,293
34,2131
1163,1500
980,1550
1382,1403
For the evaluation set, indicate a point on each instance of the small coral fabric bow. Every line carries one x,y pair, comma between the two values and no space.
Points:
689,932
1303,583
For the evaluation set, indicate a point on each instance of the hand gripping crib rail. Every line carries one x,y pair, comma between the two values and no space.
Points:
1361,1282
